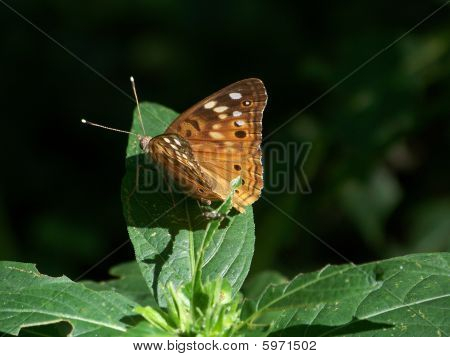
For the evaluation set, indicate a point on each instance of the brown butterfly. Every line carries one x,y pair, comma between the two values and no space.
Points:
213,142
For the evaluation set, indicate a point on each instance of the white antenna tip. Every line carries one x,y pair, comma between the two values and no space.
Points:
83,121
132,79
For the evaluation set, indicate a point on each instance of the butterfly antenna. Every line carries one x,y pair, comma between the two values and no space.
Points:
84,121
133,85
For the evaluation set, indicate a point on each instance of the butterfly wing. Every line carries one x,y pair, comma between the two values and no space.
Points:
174,155
224,132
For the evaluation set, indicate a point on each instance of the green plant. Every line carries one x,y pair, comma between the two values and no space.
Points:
188,276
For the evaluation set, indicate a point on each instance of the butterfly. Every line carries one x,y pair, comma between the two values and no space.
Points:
212,143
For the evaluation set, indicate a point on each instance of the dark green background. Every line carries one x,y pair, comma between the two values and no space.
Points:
378,167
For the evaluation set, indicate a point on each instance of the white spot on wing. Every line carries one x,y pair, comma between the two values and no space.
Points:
223,116
174,147
167,140
210,104
239,122
216,135
220,109
177,142
235,95
237,113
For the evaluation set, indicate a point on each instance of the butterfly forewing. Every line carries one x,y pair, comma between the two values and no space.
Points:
224,133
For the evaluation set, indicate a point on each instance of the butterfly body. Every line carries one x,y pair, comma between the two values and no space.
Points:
213,142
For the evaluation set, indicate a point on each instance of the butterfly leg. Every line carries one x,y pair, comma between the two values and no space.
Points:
212,215
208,212
205,202
203,207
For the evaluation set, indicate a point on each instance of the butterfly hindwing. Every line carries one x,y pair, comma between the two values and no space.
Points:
174,155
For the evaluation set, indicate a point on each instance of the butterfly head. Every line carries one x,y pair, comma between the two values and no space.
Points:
143,142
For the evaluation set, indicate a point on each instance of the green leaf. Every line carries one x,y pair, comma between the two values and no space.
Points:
145,329
406,296
28,298
211,229
217,315
156,318
129,282
165,230
257,284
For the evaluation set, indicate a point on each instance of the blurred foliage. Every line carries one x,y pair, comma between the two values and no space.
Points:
378,167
